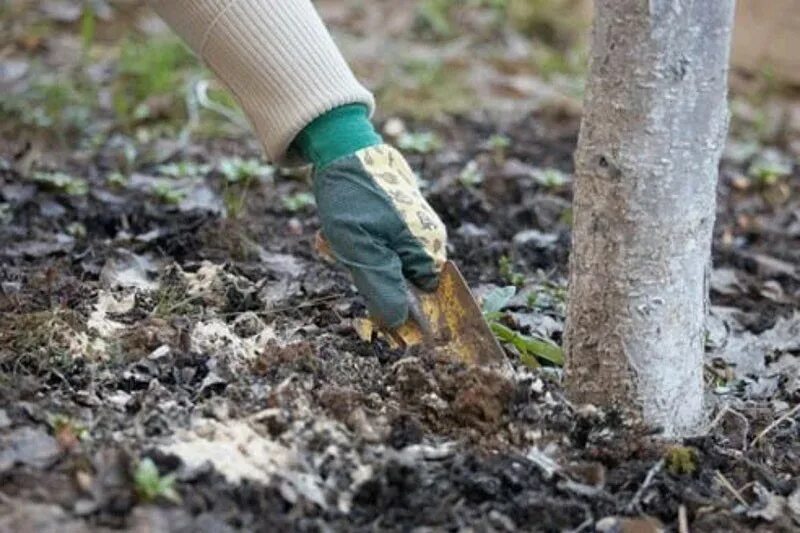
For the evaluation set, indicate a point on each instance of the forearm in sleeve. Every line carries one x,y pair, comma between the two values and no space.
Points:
275,56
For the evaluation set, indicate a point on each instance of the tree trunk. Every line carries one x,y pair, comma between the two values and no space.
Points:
654,124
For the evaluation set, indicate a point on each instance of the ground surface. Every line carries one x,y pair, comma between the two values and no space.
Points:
161,300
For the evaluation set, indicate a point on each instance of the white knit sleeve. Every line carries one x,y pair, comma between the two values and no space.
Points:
275,56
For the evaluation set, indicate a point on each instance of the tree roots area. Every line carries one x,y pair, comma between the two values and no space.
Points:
174,355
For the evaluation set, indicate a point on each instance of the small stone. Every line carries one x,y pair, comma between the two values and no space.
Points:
159,353
30,446
535,238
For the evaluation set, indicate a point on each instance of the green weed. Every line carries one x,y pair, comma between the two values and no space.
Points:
66,425
434,16
530,348
150,485
116,180
422,89
61,182
508,272
166,193
298,202
184,169
766,172
58,108
423,142
88,28
548,296
498,144
240,175
553,22
238,170
550,178
471,175
153,68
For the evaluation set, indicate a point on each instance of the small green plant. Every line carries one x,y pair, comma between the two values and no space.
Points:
88,27
551,178
61,182
681,460
238,170
498,144
422,88
240,175
531,349
548,296
471,175
508,273
148,69
76,229
434,15
298,201
67,429
184,169
766,172
116,180
166,193
420,142
150,485
57,107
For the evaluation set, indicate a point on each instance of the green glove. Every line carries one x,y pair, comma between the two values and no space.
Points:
373,216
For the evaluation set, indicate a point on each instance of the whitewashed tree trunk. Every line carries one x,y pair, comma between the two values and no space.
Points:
655,120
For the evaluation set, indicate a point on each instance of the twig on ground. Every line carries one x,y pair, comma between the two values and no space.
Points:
775,424
727,484
634,503
683,520
201,94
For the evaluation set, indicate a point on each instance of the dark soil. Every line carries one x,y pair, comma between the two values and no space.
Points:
223,349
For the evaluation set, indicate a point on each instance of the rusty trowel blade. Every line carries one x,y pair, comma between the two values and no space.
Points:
450,322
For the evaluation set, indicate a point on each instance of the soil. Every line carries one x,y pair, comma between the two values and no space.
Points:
223,349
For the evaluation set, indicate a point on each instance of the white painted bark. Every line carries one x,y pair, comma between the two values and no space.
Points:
655,120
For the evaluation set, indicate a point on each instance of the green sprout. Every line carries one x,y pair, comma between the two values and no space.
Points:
508,273
238,170
76,229
61,182
298,202
184,169
147,69
63,424
166,193
498,144
435,16
532,349
150,485
421,142
117,180
51,105
551,178
240,174
768,172
471,175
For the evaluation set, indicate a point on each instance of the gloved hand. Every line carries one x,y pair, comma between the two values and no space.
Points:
373,216
380,227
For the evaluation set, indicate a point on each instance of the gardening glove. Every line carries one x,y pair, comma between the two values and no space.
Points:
372,213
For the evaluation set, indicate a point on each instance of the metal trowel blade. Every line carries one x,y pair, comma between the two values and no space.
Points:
450,322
